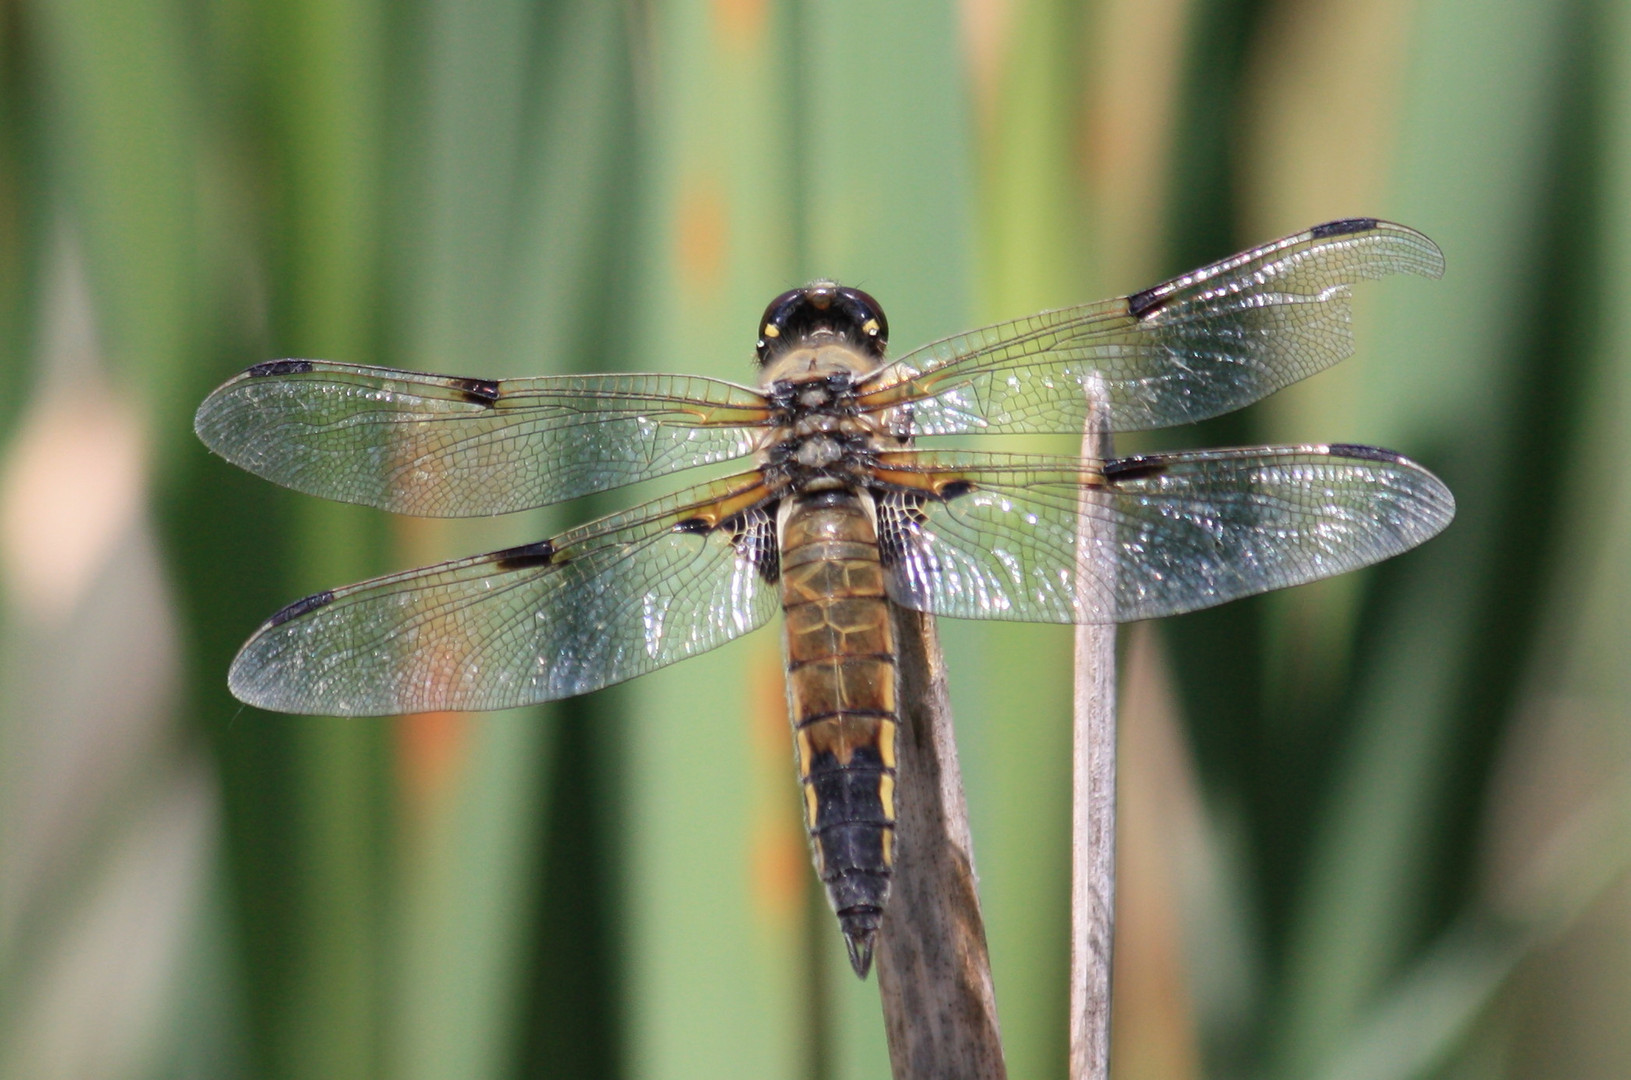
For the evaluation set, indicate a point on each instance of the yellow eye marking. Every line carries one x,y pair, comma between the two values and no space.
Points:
771,330
870,328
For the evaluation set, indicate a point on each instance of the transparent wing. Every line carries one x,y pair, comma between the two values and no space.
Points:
442,446
987,536
602,603
1204,343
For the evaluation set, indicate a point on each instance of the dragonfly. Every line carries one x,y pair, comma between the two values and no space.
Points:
838,512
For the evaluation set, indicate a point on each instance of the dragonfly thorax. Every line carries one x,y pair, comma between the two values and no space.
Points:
821,438
818,460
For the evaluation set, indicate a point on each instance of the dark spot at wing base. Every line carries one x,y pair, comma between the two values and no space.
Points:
695,526
477,391
279,367
301,607
954,489
1343,227
1364,453
525,557
1134,468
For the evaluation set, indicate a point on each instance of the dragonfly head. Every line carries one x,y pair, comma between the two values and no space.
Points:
822,310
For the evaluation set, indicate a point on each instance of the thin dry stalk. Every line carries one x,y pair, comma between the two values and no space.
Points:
934,973
1093,811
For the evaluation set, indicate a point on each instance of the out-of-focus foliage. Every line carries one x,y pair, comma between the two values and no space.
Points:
1374,828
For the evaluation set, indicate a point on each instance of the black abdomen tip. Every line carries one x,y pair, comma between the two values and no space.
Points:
860,926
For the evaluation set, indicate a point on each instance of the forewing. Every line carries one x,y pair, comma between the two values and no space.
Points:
442,446
1204,343
602,603
989,536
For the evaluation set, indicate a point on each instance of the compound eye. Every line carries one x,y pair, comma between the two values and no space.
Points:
773,324
869,316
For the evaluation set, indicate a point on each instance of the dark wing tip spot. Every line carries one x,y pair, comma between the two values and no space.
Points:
279,367
525,557
1364,453
300,607
477,391
1134,468
1343,227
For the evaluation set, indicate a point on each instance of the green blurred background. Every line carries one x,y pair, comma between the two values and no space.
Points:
1376,827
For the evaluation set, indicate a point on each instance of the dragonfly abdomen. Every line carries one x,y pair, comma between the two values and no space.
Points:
841,697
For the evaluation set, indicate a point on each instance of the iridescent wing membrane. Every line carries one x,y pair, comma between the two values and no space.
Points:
442,446
965,534
593,606
1203,344
1043,539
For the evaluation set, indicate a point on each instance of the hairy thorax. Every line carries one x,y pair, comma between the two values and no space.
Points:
821,440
